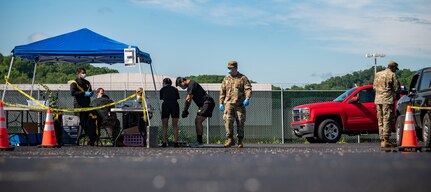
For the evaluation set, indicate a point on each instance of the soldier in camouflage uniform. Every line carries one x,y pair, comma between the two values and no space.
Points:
387,87
235,95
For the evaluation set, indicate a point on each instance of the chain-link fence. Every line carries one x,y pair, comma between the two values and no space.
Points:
268,115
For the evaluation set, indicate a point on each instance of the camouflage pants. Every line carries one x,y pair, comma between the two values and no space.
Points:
234,113
385,116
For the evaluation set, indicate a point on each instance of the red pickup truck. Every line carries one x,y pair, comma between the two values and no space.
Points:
352,113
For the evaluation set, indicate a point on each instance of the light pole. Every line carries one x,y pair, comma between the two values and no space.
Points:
375,55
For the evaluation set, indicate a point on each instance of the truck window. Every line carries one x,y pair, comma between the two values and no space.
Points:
367,95
413,83
344,95
425,81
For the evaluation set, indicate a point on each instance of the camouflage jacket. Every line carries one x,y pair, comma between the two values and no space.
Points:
386,86
235,89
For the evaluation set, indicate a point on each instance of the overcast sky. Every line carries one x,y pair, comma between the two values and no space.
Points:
284,42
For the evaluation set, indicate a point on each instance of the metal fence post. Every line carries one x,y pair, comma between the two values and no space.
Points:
39,116
282,117
208,124
125,91
208,130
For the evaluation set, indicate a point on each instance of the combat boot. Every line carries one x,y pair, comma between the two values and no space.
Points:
229,143
385,143
240,144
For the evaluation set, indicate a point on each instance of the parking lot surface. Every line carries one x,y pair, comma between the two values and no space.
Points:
289,167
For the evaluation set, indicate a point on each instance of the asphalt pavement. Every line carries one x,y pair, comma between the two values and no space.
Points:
289,167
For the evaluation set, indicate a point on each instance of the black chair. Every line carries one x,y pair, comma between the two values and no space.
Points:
106,130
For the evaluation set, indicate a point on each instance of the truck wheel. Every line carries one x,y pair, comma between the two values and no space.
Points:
313,140
426,133
329,131
399,128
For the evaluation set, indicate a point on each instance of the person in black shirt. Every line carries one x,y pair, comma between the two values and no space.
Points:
81,90
204,102
170,108
107,118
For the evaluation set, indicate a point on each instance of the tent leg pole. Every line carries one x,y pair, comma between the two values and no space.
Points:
8,74
34,77
155,89
145,99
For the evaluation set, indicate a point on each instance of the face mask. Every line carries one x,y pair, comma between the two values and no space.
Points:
82,75
183,87
229,71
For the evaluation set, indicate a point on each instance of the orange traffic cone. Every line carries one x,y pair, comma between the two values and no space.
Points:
49,139
409,141
4,137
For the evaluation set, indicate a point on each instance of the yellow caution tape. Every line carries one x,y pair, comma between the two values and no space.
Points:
420,108
79,87
143,105
43,107
22,92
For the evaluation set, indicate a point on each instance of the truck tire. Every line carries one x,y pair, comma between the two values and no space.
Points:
426,133
313,140
399,128
329,131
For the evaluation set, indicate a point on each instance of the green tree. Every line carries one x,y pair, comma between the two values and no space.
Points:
275,87
405,76
362,77
207,78
47,73
295,87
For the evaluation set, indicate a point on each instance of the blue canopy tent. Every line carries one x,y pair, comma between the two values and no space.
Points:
81,46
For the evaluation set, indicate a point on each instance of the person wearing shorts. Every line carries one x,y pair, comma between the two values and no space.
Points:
170,108
204,102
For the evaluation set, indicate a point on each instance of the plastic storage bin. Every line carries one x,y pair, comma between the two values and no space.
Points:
21,139
133,140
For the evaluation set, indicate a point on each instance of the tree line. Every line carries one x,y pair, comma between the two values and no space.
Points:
357,78
46,73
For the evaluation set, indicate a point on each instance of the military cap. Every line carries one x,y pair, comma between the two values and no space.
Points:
231,64
393,64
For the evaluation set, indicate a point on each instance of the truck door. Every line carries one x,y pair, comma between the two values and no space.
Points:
413,96
422,94
361,115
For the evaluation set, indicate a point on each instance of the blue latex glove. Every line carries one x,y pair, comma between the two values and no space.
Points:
246,102
221,107
88,93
